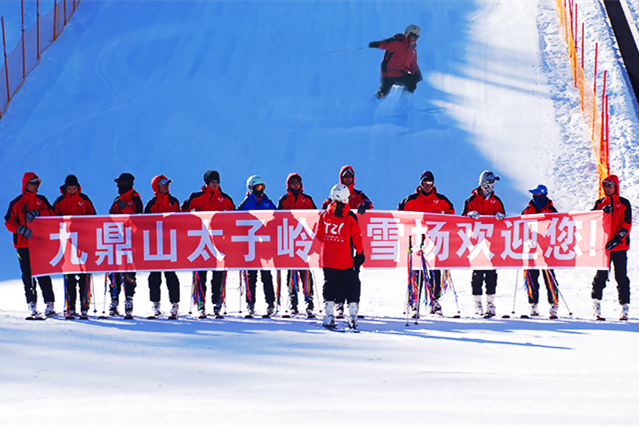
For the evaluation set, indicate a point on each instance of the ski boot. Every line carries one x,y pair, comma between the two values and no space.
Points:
270,310
596,310
339,308
156,309
490,306
250,311
329,315
113,308
554,309
175,307
436,308
353,308
294,310
84,314
479,308
217,310
201,312
69,314
128,308
33,312
49,311
625,310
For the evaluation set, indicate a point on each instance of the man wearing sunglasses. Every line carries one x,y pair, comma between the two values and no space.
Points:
620,213
399,66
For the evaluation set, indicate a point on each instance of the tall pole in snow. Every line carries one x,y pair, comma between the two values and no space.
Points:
6,63
38,28
24,60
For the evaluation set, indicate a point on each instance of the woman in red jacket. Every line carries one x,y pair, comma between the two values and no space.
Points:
22,210
295,199
340,237
73,202
540,203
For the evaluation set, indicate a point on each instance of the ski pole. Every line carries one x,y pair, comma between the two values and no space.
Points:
450,280
515,294
95,311
106,275
317,292
562,298
347,49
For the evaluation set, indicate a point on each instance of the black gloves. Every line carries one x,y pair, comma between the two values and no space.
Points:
613,243
373,44
26,232
361,209
359,260
419,76
121,204
32,215
607,208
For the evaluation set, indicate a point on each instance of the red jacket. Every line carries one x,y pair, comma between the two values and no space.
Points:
400,57
18,208
133,203
546,208
71,205
290,201
338,237
427,203
208,200
161,203
620,216
357,197
482,205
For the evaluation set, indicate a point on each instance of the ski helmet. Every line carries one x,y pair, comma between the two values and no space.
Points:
254,181
487,176
413,29
340,193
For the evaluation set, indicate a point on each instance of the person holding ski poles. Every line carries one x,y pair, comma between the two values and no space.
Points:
256,199
163,202
620,212
73,202
356,201
483,201
426,199
295,199
341,256
540,203
22,210
399,66
127,202
209,198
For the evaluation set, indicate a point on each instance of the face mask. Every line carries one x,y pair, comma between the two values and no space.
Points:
487,188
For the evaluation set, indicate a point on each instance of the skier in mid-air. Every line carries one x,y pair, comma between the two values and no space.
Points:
399,66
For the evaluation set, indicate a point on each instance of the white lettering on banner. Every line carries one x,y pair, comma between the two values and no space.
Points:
524,235
563,235
438,242
206,242
479,231
171,256
113,242
288,237
65,236
385,233
251,238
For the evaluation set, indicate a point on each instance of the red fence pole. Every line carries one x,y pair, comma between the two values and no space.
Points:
6,63
603,100
594,94
64,9
582,44
55,18
24,65
38,28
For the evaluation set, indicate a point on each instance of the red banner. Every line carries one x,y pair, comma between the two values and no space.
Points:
286,240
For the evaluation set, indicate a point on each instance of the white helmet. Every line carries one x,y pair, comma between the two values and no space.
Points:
413,29
254,181
340,193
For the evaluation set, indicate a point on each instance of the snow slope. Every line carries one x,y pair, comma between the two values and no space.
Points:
254,87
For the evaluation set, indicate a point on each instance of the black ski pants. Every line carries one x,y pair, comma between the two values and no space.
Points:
303,276
620,260
71,284
488,276
267,281
119,280
30,283
532,275
217,281
172,282
409,81
342,284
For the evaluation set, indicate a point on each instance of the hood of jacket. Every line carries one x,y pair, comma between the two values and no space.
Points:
26,178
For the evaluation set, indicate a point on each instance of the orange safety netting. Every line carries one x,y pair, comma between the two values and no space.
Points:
26,56
596,118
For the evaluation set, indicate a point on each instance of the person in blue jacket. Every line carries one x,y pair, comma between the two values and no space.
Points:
256,199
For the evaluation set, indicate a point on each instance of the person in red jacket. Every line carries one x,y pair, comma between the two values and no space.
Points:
426,199
483,201
620,213
210,198
163,202
73,202
341,255
540,203
128,202
399,66
22,210
295,199
356,201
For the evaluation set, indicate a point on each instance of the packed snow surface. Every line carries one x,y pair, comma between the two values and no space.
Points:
270,88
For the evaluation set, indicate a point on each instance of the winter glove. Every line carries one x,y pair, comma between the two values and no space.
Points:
26,232
120,203
613,243
607,208
473,215
361,209
32,215
419,76
373,44
358,260
499,215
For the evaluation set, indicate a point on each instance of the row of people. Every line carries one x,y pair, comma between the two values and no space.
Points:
483,201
